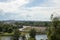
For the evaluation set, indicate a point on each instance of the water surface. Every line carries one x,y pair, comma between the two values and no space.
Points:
38,37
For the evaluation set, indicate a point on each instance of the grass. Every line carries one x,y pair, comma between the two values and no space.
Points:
11,34
6,34
38,29
28,28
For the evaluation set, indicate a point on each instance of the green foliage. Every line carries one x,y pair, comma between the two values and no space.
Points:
6,28
33,23
54,30
42,39
23,37
31,39
0,29
16,34
10,30
32,33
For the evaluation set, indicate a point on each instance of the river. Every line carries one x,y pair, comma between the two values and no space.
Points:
38,37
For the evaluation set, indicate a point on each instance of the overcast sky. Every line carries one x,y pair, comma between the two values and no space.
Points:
32,10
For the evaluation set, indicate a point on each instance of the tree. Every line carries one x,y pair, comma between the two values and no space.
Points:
1,26
10,30
32,33
23,37
54,30
16,34
7,28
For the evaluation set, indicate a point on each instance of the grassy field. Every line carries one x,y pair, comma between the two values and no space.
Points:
38,29
6,34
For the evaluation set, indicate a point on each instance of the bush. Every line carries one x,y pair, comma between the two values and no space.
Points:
32,33
31,39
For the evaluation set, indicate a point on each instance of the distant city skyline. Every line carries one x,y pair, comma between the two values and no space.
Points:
29,10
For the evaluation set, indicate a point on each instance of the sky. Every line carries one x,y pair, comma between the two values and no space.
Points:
29,10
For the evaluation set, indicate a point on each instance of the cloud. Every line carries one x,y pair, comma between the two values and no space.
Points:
12,6
34,13
43,3
33,3
6,0
51,3
37,10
